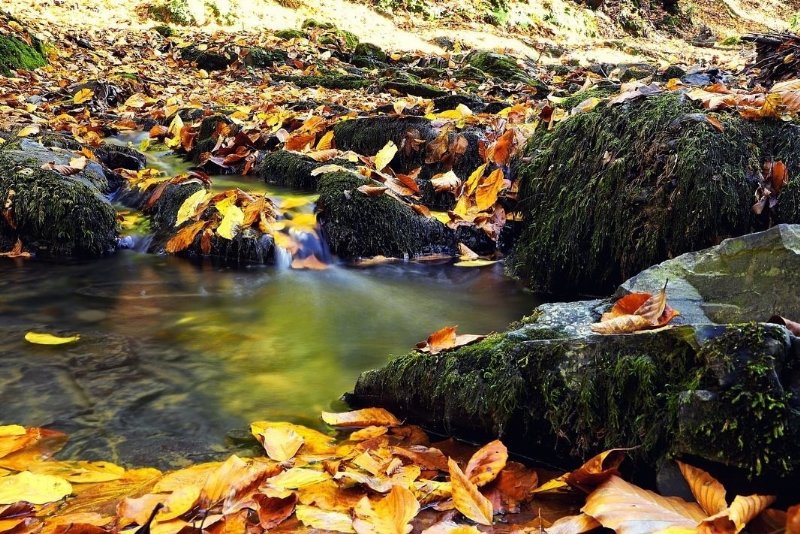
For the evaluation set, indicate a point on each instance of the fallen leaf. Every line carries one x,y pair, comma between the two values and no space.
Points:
281,444
466,497
317,518
184,237
309,262
486,463
35,489
446,182
385,156
361,418
273,511
82,96
390,515
611,505
41,338
488,189
372,190
707,491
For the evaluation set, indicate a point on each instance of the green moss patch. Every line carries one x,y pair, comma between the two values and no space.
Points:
16,54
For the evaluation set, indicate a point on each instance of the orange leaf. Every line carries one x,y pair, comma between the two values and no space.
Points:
444,338
741,511
466,497
653,308
707,491
184,237
624,324
274,511
486,463
611,505
500,151
390,515
627,305
372,190
488,189
361,418
793,520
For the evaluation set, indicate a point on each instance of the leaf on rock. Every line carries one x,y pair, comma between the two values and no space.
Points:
466,497
184,237
385,156
232,219
82,96
189,207
361,418
652,313
741,511
488,190
446,338
612,503
42,338
372,190
446,182
326,141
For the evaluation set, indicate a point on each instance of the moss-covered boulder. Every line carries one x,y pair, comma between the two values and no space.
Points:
368,55
293,170
329,81
357,225
550,388
262,58
610,192
504,68
54,216
207,59
17,54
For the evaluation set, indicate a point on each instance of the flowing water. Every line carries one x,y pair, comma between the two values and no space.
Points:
177,357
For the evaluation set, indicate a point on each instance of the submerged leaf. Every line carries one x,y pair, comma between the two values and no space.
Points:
32,488
41,338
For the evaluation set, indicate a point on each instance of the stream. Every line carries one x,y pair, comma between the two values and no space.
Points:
176,357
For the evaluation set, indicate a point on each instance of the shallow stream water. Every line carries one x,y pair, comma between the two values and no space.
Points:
177,357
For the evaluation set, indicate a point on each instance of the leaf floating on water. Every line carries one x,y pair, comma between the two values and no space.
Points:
32,488
475,263
42,338
361,418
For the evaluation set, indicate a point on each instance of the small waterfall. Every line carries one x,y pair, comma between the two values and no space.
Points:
137,242
283,258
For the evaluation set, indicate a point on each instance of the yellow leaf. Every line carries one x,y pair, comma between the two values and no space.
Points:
12,430
189,206
27,131
587,105
80,472
174,132
474,179
316,518
326,141
78,163
448,527
486,463
136,100
40,338
466,497
84,95
35,489
178,503
474,263
385,155
488,189
281,444
314,441
298,477
390,515
361,418
232,219
612,502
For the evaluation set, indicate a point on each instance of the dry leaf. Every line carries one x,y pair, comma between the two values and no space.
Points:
390,515
486,463
361,418
466,497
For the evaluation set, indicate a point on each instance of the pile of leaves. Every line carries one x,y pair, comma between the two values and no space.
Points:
377,476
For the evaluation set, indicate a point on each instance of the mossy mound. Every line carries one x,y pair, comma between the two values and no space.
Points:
262,58
293,170
54,216
565,397
504,68
206,59
356,225
17,54
329,81
290,34
368,55
610,192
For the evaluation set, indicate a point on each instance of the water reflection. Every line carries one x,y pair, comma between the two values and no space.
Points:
174,355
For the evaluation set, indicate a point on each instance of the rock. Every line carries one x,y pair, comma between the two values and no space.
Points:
104,94
356,225
120,157
504,68
262,58
54,216
290,34
290,169
329,81
16,54
206,59
615,190
368,55
551,389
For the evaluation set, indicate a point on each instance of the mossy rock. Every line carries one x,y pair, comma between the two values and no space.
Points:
262,58
290,34
208,60
564,398
356,225
368,55
314,23
164,30
16,54
610,192
340,38
412,88
504,68
173,11
293,170
54,216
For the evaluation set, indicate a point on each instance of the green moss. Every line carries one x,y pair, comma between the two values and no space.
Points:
613,191
503,68
751,423
314,23
341,38
173,11
369,50
164,30
595,92
289,169
261,58
357,225
55,216
290,34
16,54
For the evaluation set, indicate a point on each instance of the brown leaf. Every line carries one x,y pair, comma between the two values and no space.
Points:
184,237
611,505
627,305
653,308
776,174
486,463
715,122
466,497
624,324
444,338
273,511
733,519
591,474
437,149
372,190
793,520
499,152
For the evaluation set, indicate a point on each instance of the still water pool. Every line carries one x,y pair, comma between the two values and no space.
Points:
176,358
